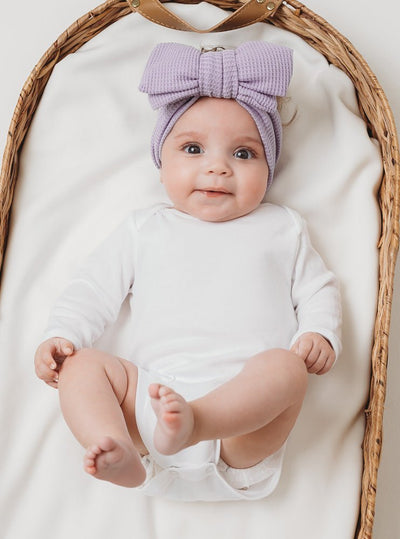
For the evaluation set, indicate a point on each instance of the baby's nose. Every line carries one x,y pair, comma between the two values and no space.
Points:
219,166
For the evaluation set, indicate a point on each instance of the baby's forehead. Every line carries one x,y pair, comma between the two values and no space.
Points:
209,113
209,105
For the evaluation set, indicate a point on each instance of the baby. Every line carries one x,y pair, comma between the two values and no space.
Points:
230,303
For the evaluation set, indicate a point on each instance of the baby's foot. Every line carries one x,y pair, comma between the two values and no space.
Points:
116,462
175,420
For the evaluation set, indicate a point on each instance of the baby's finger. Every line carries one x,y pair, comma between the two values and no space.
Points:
45,356
67,350
53,384
50,361
312,361
46,367
323,363
328,364
49,375
61,349
317,365
304,348
44,372
64,348
312,356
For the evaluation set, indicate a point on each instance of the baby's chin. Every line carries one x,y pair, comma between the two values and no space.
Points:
215,210
213,216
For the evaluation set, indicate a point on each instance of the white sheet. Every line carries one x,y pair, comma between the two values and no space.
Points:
85,164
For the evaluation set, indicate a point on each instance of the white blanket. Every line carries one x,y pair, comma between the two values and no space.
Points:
85,164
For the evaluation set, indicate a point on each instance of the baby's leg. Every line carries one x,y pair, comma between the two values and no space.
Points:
253,413
97,396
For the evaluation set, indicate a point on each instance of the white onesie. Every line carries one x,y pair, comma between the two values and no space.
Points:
204,298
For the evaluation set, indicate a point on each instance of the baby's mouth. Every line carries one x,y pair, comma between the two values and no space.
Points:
214,193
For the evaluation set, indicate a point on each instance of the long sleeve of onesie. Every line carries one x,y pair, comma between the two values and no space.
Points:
93,297
315,294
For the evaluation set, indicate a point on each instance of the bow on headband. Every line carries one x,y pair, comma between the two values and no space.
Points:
254,74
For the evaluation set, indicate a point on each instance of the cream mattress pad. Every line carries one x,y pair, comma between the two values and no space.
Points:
85,164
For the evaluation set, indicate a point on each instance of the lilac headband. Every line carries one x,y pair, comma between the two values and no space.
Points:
254,74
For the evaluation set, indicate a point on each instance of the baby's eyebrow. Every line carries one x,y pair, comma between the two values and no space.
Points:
248,140
188,135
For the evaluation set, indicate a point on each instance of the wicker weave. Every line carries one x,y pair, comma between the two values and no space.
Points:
375,110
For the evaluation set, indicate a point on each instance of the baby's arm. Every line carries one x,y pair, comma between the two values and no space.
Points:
316,298
316,352
49,357
92,299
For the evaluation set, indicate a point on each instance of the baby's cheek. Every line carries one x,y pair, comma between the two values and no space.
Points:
253,195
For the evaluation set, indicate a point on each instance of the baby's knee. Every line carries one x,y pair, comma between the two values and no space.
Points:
285,365
88,360
98,365
291,362
77,358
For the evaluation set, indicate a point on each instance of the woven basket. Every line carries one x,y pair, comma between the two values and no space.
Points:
295,17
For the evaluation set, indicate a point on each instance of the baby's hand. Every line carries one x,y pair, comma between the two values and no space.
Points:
49,357
316,351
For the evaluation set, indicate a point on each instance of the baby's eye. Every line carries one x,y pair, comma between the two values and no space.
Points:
192,149
243,153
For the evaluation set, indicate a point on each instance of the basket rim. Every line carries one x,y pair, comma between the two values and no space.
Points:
297,18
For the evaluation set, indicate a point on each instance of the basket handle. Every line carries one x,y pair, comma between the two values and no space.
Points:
250,12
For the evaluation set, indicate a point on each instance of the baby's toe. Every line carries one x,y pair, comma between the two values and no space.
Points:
90,456
173,405
154,391
88,463
93,451
166,391
91,470
169,397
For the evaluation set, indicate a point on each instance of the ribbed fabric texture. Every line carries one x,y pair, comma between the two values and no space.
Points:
254,74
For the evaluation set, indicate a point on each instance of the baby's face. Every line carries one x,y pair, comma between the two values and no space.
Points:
213,164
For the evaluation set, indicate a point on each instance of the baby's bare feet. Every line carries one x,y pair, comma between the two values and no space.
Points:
175,420
115,462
